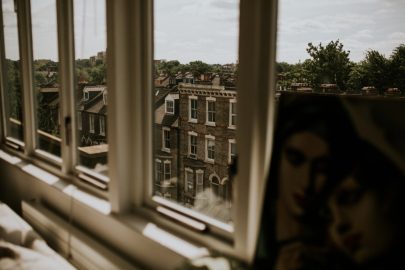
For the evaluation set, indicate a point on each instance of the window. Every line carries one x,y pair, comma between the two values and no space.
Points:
102,125
193,108
232,113
46,75
170,106
12,74
210,148
200,181
210,111
79,120
166,139
158,171
232,150
189,183
90,66
192,150
91,123
167,170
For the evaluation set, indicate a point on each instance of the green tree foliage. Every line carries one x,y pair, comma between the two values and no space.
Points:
397,67
13,88
328,64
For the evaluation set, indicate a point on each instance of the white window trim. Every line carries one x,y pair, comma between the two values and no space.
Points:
199,185
255,84
164,148
231,126
157,171
207,101
230,142
190,98
166,107
207,138
192,134
91,123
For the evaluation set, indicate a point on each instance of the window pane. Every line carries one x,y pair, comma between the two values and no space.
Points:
91,88
46,81
196,61
12,75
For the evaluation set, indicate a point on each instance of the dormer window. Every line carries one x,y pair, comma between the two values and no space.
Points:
86,95
169,106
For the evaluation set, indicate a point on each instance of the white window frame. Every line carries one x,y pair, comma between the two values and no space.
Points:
91,123
164,146
101,122
209,122
167,110
209,138
131,169
192,134
232,102
230,142
191,99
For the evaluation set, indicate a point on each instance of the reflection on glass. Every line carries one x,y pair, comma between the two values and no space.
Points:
91,88
195,104
46,72
12,74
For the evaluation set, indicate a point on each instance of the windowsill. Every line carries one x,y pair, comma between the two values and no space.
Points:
192,157
167,150
211,161
231,127
211,124
192,121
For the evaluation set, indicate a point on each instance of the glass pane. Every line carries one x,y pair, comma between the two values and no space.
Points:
91,88
349,48
12,73
46,82
196,61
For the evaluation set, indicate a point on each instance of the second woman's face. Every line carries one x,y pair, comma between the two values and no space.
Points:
359,226
304,158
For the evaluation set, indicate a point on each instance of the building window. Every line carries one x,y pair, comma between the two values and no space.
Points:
102,125
169,107
210,111
232,113
210,148
193,109
158,171
166,139
200,181
105,97
189,181
232,150
91,123
192,144
86,95
214,180
79,120
167,170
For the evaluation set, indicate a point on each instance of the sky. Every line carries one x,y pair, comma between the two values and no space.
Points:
207,30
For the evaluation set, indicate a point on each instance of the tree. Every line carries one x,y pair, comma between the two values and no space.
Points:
198,68
328,64
377,69
397,66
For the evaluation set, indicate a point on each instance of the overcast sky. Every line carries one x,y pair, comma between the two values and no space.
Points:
207,30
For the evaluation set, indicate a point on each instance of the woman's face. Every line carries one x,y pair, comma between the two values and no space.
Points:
359,226
304,159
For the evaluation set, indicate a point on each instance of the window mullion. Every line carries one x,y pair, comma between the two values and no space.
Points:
3,126
67,106
25,39
256,82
